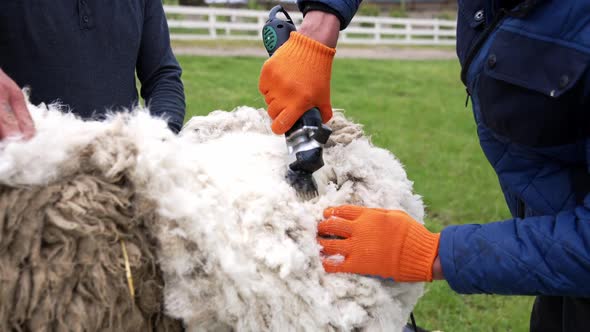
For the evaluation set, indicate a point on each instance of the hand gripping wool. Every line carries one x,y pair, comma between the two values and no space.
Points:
235,247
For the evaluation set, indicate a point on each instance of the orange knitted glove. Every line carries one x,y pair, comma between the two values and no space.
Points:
295,79
377,242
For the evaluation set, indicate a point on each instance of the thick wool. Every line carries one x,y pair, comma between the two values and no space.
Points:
66,206
235,246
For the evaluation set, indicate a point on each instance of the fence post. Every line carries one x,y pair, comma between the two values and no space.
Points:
232,19
261,22
436,31
212,24
377,37
408,31
342,37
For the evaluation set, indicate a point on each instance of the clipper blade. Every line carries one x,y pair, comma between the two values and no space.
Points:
303,183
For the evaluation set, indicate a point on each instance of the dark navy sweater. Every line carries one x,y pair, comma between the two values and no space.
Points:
85,53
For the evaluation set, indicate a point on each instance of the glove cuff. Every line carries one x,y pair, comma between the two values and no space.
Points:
419,251
309,51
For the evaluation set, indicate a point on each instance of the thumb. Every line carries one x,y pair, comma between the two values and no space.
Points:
349,212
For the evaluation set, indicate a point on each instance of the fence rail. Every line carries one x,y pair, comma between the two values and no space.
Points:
203,23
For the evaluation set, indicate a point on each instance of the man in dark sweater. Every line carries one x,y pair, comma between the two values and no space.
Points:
85,54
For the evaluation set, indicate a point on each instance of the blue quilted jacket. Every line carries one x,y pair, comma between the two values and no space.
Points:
528,73
527,70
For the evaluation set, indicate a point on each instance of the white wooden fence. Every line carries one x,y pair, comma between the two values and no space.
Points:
203,23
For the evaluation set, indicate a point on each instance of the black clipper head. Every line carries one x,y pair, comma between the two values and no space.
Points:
303,183
305,142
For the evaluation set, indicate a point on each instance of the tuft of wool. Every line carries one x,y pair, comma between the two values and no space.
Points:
235,247
67,208
258,266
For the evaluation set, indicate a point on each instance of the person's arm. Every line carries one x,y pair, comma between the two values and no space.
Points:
437,272
297,77
321,26
158,70
15,119
544,255
344,10
388,244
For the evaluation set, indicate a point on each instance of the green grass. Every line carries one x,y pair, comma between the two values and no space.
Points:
234,44
416,110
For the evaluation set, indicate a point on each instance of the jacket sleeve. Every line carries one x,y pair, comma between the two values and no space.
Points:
546,255
158,70
343,9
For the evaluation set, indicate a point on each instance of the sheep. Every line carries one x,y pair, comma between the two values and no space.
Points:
214,235
68,209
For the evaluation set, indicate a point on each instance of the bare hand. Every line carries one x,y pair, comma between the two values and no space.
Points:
15,119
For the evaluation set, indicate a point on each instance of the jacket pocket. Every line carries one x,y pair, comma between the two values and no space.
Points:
531,93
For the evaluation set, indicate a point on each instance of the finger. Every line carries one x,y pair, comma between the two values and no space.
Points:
349,212
333,266
8,123
263,79
382,210
333,259
335,226
274,108
21,112
335,247
268,99
326,112
399,214
262,87
285,120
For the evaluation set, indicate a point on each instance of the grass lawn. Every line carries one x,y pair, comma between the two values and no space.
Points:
235,44
416,110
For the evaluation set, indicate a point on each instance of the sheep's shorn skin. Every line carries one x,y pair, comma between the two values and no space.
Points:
216,237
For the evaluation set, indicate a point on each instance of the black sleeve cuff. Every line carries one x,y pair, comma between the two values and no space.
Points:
312,5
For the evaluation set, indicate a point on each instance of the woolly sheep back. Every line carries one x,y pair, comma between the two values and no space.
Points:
235,247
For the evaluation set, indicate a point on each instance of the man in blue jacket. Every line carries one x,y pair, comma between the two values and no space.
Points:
526,66
85,54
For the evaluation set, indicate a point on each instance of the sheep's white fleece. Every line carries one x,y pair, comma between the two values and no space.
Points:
237,248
